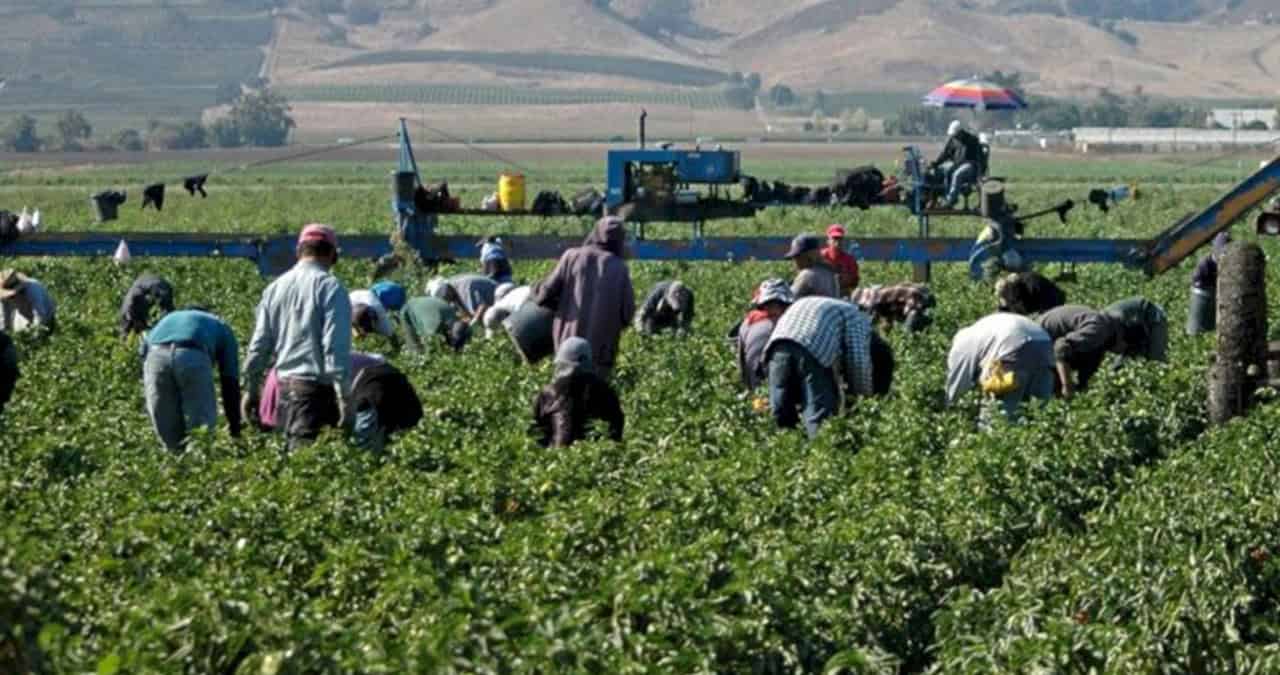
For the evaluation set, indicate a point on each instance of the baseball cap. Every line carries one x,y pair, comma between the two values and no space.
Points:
836,230
803,244
318,232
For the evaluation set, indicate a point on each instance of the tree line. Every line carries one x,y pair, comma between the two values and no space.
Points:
257,118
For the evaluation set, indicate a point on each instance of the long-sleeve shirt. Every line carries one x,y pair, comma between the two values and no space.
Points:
382,319
591,294
203,330
1012,339
819,280
304,321
208,333
846,267
834,333
147,291
424,318
1081,338
1205,276
563,408
657,314
43,309
474,291
752,343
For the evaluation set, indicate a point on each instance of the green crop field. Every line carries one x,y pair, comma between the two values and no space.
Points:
1113,533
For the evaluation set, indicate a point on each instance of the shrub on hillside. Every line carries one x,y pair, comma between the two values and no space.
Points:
130,140
20,135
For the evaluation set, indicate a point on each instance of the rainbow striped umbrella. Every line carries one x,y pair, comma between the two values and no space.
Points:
976,93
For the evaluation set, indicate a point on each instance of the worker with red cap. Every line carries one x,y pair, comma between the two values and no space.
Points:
845,265
303,330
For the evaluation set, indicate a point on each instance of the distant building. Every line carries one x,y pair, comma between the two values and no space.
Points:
1237,118
1123,139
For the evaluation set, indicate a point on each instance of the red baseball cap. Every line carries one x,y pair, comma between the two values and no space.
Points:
318,232
836,230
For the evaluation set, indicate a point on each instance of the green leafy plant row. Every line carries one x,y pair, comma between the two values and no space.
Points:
1179,575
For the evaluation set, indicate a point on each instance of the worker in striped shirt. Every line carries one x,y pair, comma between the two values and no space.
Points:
811,340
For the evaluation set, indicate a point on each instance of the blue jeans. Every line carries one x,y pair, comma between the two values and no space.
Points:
798,384
178,383
368,432
961,177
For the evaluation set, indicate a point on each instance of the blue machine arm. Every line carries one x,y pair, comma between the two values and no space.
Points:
1173,245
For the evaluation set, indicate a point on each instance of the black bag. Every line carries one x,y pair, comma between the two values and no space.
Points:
549,203
587,202
8,227
859,186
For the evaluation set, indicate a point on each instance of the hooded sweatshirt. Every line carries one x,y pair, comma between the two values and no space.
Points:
563,409
590,292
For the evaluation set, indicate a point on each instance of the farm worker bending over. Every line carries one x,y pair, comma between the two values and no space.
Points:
24,303
304,329
1028,293
1081,339
9,373
575,396
752,335
493,260
1146,331
390,294
425,318
812,339
507,299
590,293
1202,316
148,291
906,303
177,374
370,316
669,306
960,158
470,293
1008,355
270,399
815,276
385,402
844,264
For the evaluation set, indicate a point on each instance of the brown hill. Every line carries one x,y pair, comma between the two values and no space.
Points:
835,45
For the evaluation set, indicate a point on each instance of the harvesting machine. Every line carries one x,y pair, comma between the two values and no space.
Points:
660,184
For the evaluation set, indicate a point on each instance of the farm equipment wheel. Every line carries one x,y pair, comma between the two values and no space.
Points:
1242,332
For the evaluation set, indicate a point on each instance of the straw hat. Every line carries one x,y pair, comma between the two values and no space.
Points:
12,283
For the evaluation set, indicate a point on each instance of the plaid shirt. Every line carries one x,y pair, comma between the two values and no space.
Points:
829,330
893,302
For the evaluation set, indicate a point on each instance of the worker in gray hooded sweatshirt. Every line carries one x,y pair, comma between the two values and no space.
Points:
590,293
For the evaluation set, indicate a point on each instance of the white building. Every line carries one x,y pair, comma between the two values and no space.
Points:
1094,139
1237,118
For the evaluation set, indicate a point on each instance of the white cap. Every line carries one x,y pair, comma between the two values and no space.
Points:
954,127
122,256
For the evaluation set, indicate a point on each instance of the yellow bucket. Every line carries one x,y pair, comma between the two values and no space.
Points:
511,191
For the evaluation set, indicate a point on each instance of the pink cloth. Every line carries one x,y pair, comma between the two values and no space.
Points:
271,386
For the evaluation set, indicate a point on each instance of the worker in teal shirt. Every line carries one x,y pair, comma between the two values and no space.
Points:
179,354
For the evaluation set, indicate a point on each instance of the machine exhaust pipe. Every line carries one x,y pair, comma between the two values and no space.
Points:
643,114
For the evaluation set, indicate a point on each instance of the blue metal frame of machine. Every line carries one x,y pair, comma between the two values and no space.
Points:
274,254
